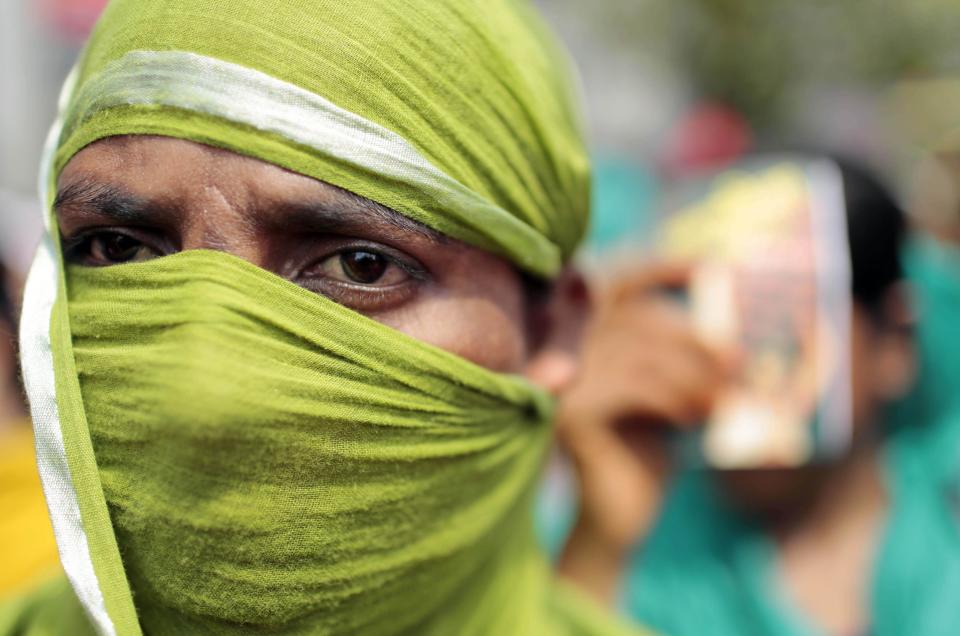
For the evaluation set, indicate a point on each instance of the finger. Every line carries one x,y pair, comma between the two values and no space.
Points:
553,371
643,371
661,402
641,322
650,278
692,385
679,384
630,342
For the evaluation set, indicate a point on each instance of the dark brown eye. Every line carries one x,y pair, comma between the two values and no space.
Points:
120,248
113,248
365,268
362,270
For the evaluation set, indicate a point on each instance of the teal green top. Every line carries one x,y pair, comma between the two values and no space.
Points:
934,271
705,566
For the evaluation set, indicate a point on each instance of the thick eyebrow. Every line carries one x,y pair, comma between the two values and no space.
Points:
104,199
348,213
342,213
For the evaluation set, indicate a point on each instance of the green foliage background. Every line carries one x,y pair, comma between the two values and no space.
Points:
751,53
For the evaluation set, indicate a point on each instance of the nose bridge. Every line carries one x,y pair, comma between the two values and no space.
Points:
222,222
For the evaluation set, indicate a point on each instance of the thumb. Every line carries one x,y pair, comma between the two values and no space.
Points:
552,370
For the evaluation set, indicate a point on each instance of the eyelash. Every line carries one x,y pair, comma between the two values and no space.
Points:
358,297
366,298
74,246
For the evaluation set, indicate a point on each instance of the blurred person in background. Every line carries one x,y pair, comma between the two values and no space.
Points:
868,544
282,342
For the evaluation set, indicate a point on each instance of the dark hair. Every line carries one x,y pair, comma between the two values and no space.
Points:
876,227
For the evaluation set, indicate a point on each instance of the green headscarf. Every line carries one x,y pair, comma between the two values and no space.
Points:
455,113
225,452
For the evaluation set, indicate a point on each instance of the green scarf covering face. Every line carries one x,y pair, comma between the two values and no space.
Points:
225,452
291,465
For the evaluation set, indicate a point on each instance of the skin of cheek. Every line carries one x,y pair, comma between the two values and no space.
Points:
475,308
473,328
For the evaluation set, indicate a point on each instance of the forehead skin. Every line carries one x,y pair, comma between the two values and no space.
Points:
185,195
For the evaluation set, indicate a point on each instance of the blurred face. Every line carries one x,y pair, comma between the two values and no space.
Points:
127,199
882,370
882,357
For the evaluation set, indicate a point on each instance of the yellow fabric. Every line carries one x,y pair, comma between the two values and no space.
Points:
28,552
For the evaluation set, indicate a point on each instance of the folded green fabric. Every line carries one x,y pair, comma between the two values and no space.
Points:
457,113
224,452
275,462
